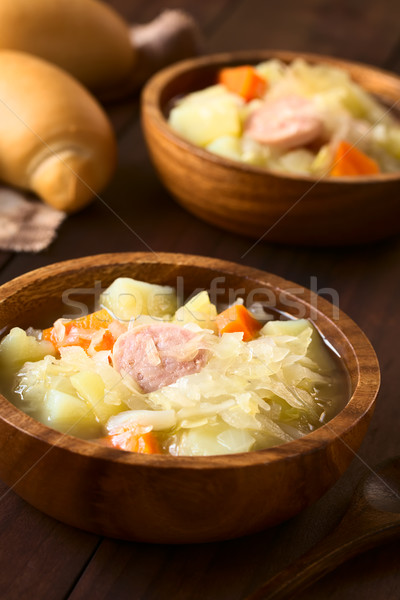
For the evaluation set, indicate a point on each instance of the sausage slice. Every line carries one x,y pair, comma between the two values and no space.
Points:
158,355
284,123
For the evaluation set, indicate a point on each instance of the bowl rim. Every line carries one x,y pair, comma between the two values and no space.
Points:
360,403
150,107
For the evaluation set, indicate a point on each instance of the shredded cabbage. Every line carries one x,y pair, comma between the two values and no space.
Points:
95,391
249,395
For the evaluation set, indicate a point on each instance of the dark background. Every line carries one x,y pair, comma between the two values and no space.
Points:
41,558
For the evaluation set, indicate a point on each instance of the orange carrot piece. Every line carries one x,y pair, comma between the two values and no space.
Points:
133,441
351,161
106,343
238,318
244,81
76,331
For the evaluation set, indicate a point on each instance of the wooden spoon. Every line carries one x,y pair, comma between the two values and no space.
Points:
372,517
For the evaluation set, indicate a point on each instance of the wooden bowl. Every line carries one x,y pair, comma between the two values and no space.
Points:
296,209
156,498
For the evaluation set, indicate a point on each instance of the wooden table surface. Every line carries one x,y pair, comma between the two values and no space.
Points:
42,558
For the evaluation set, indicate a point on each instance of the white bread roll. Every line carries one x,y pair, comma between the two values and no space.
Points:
55,139
87,38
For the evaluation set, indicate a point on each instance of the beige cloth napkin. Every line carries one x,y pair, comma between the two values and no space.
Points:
26,225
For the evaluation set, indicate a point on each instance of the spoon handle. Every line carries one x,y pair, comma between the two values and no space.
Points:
346,541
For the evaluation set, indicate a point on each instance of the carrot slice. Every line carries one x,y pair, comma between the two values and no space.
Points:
77,332
132,440
106,343
351,161
238,318
244,81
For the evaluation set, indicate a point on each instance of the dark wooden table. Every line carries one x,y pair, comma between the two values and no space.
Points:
41,558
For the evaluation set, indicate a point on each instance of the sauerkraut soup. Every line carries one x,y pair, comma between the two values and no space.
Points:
144,375
296,118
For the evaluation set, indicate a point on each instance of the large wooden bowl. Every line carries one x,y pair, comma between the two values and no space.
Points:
157,498
254,201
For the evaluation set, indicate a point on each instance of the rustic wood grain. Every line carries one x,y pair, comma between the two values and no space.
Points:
343,29
372,517
367,279
49,549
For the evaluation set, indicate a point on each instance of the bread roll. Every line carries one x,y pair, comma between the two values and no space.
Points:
55,139
85,37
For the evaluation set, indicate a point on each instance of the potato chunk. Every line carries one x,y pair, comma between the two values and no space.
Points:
199,310
127,299
90,388
69,414
206,115
18,348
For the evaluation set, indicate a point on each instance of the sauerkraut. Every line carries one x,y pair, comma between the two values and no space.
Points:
222,122
227,395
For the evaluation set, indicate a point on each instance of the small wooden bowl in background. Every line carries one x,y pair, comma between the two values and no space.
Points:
162,498
295,209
